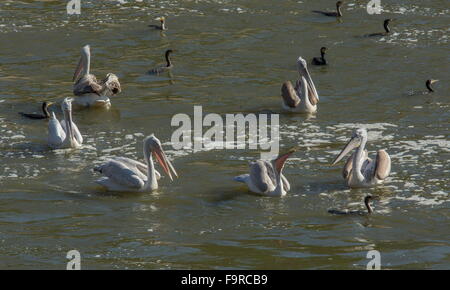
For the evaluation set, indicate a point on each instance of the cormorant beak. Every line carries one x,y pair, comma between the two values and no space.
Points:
433,81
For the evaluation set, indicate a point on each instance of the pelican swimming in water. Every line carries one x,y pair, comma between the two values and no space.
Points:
160,69
320,60
303,98
64,134
128,175
266,177
338,12
89,91
360,170
45,114
367,200
161,19
387,30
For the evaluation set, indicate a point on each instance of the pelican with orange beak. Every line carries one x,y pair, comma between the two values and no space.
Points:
360,170
302,98
128,175
266,177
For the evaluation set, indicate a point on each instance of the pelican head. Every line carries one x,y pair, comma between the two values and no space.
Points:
112,83
153,145
303,71
66,105
358,136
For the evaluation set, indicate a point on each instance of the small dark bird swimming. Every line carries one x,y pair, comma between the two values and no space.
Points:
160,69
428,84
45,112
162,19
356,212
386,28
320,60
338,12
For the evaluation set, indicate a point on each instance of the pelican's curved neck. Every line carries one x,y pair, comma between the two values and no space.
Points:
152,182
358,159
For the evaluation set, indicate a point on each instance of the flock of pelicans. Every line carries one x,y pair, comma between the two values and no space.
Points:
265,177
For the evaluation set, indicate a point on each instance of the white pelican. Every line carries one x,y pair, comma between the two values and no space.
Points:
89,91
359,170
64,134
124,174
356,212
266,178
303,98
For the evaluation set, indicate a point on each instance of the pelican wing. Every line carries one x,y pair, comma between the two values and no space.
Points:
120,174
87,85
382,165
138,167
56,134
289,95
262,175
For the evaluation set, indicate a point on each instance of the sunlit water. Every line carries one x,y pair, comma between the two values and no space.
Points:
230,57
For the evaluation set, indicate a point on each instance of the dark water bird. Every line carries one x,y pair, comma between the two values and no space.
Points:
356,212
429,90
320,60
338,12
160,69
45,112
428,84
161,19
386,28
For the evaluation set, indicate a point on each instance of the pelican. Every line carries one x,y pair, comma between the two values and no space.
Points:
386,29
266,177
160,69
64,134
360,170
45,115
161,19
89,91
303,98
338,12
356,212
320,60
124,174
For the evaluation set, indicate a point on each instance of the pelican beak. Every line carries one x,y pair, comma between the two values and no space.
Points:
353,143
78,70
312,92
164,162
281,159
